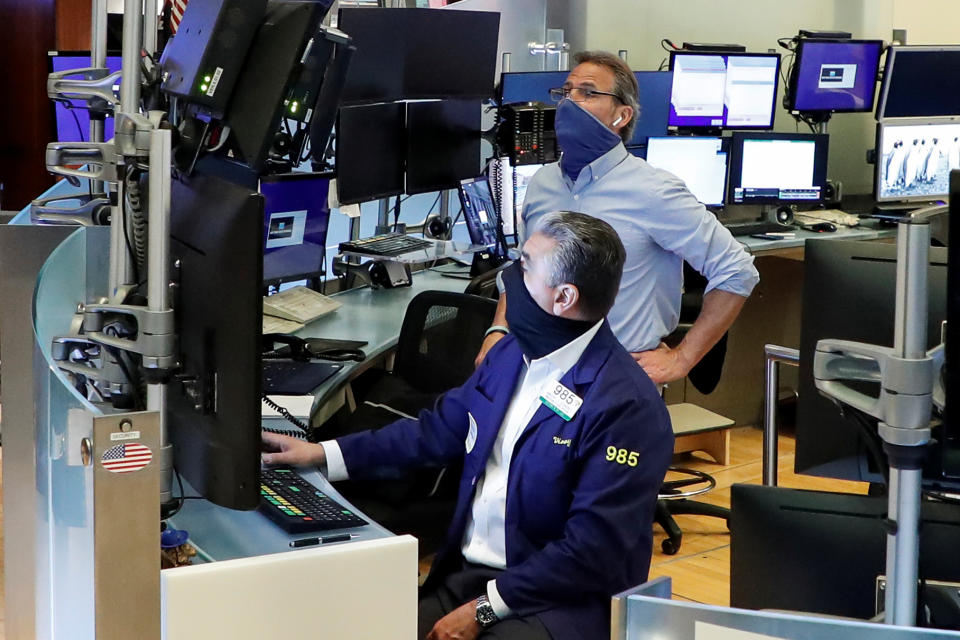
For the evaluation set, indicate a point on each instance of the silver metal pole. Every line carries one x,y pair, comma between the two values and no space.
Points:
120,271
773,355
98,59
158,260
150,26
890,596
910,319
383,215
130,83
909,341
505,62
906,545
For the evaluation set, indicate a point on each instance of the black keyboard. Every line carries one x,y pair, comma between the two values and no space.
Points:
298,506
390,244
295,378
751,228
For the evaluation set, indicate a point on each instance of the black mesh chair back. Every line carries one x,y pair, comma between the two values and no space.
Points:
441,334
485,284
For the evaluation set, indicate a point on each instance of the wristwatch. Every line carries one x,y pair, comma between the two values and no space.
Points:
486,618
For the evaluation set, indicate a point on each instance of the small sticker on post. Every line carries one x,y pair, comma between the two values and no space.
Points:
562,401
126,457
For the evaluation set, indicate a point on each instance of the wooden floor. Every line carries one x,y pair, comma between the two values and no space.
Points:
701,570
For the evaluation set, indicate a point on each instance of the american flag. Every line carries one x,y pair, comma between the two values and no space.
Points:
126,457
177,7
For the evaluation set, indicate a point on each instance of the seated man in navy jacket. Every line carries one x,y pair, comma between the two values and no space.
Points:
565,442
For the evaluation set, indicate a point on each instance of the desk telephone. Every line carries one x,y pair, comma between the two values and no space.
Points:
299,304
526,135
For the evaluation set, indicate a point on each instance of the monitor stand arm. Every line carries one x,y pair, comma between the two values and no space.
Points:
907,374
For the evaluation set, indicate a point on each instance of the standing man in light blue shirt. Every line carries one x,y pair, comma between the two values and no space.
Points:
659,221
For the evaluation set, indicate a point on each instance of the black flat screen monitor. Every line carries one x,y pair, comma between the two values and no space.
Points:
296,215
214,404
479,211
849,293
832,76
370,149
915,157
821,552
777,167
920,82
409,54
700,161
443,143
723,90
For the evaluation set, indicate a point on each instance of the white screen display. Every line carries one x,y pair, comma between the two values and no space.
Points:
698,86
777,164
699,162
915,160
750,91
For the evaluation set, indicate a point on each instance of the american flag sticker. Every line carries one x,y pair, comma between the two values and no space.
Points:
126,457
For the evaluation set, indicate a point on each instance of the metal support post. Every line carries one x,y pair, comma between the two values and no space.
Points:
158,260
150,26
505,62
98,59
774,354
909,342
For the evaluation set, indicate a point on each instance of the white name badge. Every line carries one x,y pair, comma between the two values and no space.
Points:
562,401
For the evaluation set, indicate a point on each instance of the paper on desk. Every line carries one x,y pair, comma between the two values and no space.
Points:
273,324
707,631
298,406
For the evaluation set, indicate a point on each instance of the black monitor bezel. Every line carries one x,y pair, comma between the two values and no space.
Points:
727,54
795,74
889,65
735,163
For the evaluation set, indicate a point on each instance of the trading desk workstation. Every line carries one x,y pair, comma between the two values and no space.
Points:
143,284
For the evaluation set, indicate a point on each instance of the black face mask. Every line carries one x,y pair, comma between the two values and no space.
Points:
538,333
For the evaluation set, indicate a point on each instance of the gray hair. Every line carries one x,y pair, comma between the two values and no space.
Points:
588,254
625,83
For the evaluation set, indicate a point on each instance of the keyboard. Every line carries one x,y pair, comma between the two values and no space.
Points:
299,507
390,244
295,378
751,228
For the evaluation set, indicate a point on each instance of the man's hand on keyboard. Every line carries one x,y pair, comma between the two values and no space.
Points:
286,450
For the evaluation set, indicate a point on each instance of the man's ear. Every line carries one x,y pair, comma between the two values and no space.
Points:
624,116
566,300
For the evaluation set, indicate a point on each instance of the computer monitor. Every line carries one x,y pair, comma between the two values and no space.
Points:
849,293
653,86
410,54
654,99
479,212
213,405
443,144
769,168
295,220
821,552
920,82
832,76
72,117
701,162
723,91
370,151
914,158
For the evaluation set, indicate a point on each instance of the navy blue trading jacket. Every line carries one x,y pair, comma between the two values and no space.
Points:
580,494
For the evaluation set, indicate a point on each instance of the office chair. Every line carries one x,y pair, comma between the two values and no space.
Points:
440,336
674,497
485,284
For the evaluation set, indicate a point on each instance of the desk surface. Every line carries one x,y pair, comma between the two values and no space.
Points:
374,315
225,534
867,230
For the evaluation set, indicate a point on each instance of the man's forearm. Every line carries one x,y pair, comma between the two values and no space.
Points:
719,310
500,317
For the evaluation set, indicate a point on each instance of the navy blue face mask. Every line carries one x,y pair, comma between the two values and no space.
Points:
537,332
581,136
